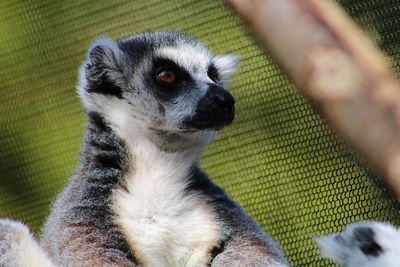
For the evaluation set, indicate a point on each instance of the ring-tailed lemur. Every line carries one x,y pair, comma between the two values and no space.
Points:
363,244
138,197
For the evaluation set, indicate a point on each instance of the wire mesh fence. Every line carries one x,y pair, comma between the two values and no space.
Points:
277,159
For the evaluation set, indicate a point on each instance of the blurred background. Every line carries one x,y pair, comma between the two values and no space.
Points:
278,159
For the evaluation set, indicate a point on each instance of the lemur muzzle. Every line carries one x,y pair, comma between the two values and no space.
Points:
215,109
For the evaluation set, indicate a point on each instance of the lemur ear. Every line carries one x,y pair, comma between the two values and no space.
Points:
226,65
105,53
102,72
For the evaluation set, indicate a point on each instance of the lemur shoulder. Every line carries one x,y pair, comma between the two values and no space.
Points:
138,197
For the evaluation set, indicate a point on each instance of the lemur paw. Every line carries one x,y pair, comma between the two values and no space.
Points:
363,244
18,247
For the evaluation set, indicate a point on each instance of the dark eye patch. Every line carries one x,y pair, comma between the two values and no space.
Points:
162,64
213,73
165,91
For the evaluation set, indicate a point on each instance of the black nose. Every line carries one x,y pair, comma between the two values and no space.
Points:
222,98
214,110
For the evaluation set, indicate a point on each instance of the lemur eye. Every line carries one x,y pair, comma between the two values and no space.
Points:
213,74
167,76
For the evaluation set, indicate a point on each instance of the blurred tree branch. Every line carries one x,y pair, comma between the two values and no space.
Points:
338,69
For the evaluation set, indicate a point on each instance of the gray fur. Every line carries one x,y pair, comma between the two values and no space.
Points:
80,229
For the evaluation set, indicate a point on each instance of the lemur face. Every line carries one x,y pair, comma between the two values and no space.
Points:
164,81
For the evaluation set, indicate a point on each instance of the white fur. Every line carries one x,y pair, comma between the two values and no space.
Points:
350,255
226,65
18,248
194,59
163,225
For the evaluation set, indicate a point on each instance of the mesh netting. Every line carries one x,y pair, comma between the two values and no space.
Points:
277,159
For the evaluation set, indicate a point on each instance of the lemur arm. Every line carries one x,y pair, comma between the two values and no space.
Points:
84,245
244,243
18,248
248,250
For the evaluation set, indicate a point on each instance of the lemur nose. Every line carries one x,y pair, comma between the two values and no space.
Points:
221,97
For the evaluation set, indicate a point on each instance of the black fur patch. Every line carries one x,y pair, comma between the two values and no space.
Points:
97,73
161,109
217,250
97,122
213,73
364,236
108,159
105,86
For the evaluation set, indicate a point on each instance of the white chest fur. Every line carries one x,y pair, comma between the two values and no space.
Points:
163,224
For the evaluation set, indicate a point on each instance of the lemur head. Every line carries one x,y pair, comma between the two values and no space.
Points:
162,81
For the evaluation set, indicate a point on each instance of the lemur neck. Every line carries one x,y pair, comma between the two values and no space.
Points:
177,142
134,156
152,144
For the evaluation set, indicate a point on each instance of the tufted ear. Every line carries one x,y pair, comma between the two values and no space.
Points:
102,72
226,66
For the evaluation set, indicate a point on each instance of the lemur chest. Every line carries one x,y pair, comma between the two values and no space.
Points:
164,224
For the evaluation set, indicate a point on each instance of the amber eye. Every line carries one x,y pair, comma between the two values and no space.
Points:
167,76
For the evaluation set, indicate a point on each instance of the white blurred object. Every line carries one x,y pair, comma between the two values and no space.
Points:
363,244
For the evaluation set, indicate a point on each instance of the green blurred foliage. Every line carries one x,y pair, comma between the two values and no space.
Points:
278,159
